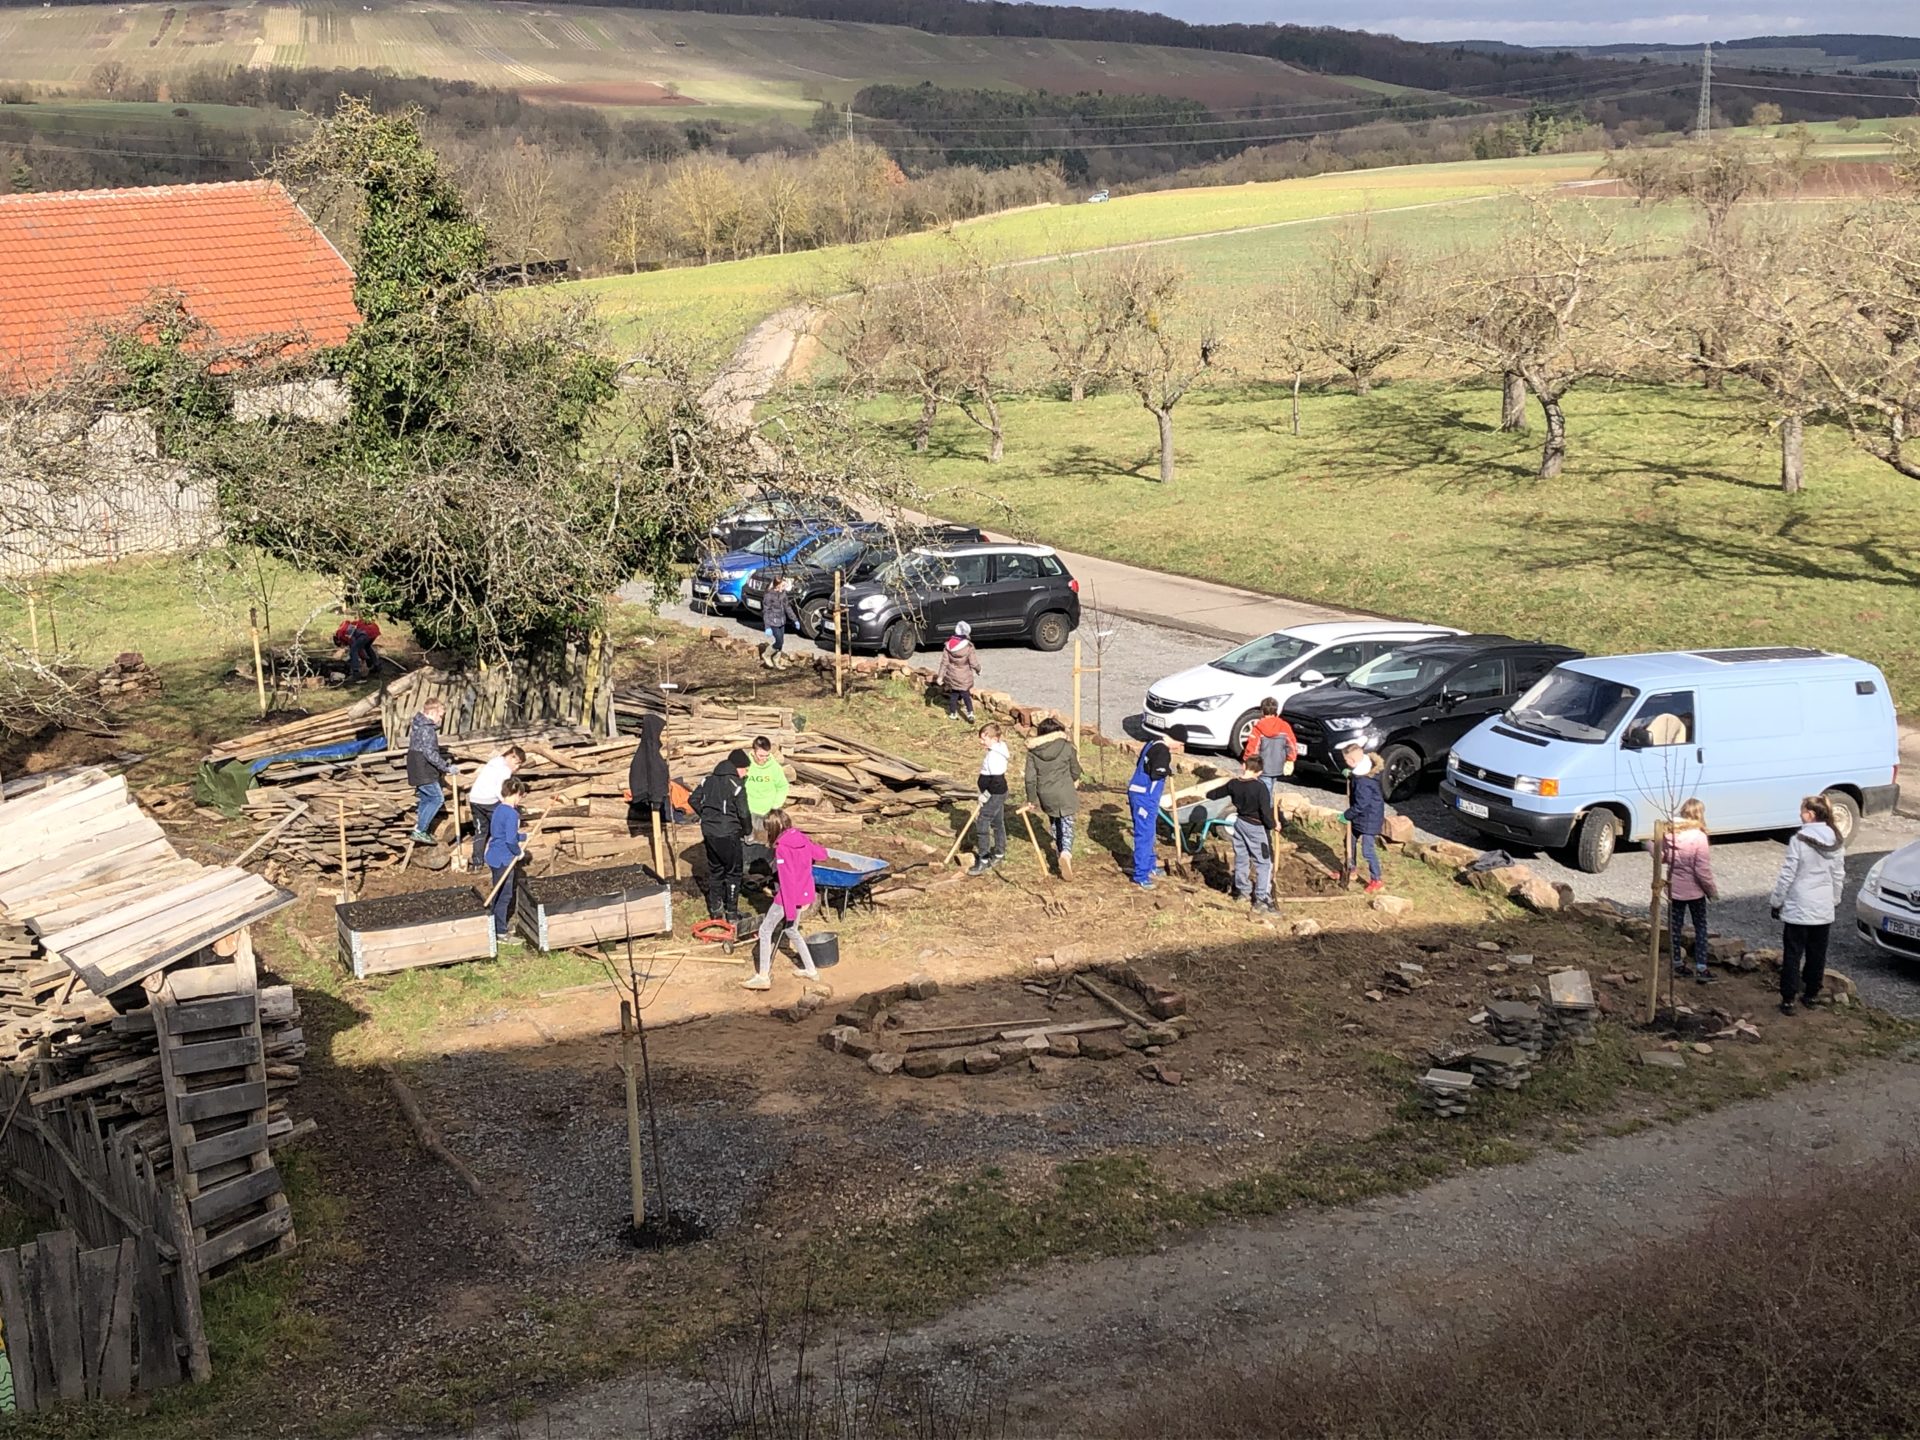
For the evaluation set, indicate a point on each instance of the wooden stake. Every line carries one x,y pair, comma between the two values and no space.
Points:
33,621
1038,853
259,667
659,845
1076,695
635,1176
346,887
459,858
955,849
1654,958
839,671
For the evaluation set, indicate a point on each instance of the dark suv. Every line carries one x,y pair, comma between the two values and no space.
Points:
1413,702
1005,592
856,554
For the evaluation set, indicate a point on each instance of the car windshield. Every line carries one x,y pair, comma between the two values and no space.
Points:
834,551
905,572
1571,706
1399,672
1263,658
776,541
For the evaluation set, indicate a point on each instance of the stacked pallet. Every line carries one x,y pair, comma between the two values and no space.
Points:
359,721
577,784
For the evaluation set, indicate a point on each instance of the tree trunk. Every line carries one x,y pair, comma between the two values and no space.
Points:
1554,453
1513,402
1793,469
1079,388
999,447
923,432
1165,417
1296,402
1362,382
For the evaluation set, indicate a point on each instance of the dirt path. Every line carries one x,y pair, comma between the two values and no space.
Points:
1078,1339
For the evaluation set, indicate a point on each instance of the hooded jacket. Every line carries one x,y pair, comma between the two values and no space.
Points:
959,664
766,785
1690,864
426,761
1273,740
647,776
793,856
776,607
1811,876
1368,811
1052,769
721,801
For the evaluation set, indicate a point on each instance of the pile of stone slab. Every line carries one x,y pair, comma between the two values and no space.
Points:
1445,1092
1571,1012
1501,1067
1517,1023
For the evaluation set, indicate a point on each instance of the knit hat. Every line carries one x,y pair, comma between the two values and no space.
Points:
963,629
738,759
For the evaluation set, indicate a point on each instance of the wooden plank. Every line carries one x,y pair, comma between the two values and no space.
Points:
244,1239
227,1100
203,1155
194,985
106,1316
211,1207
19,1332
189,1320
109,982
156,926
215,1055
199,1016
140,909
59,1302
99,1080
159,1358
65,869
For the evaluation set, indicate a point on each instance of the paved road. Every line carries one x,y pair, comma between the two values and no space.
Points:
1133,654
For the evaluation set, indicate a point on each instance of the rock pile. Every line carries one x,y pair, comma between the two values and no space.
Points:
129,676
1445,1092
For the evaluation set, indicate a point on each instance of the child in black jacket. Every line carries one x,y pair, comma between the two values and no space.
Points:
1252,799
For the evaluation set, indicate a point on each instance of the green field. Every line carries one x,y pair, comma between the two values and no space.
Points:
1666,529
719,303
668,64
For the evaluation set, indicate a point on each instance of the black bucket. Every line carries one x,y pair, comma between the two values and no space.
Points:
825,949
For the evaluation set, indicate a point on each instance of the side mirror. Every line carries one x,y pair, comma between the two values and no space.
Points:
949,582
1635,738
1311,677
1450,698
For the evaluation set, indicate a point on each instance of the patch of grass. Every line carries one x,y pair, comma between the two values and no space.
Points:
1667,530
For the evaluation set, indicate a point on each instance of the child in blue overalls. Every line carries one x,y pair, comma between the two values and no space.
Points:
1144,792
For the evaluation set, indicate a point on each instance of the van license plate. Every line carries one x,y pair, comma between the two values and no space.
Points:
1901,927
1469,807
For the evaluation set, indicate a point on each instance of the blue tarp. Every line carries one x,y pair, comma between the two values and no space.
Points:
345,750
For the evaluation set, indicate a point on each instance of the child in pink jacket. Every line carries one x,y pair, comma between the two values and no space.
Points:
1690,885
794,852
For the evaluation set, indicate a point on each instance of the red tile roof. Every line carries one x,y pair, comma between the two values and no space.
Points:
245,258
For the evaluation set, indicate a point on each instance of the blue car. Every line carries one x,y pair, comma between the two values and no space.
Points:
719,579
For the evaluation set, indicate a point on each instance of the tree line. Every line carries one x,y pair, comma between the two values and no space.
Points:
1800,317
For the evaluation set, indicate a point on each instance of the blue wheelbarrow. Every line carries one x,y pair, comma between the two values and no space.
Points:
844,879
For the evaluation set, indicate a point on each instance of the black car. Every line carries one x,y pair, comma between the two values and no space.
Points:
1004,592
770,510
856,553
1413,702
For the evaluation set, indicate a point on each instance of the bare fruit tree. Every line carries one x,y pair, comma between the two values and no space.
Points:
1074,319
1285,337
1536,303
1163,344
1362,291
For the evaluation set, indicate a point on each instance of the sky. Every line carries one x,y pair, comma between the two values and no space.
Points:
1526,22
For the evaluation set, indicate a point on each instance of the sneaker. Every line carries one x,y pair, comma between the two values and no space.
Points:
1786,1007
419,838
1809,1000
1702,977
757,982
1146,884
1264,907
1066,864
1679,972
810,973
993,861
982,865
1374,887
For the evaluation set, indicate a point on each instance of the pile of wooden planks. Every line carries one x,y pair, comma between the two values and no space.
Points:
363,806
359,721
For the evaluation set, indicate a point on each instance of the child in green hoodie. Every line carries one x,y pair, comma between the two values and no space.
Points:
766,782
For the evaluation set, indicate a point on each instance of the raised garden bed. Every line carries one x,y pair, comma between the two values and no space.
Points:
592,907
422,927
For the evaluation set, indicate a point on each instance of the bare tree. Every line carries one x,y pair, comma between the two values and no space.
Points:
1536,303
110,77
1362,288
1162,347
631,225
1766,115
706,199
778,194
1286,335
1074,319
1647,173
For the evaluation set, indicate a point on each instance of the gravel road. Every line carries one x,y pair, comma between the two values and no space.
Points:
1132,655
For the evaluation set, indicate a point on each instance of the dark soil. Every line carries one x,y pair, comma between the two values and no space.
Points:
609,882
665,1232
415,907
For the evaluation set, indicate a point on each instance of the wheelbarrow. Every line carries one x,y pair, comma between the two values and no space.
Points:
844,879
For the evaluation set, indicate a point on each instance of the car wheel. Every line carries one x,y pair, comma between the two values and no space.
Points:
1594,841
902,640
816,619
1242,728
1846,814
1050,631
1402,767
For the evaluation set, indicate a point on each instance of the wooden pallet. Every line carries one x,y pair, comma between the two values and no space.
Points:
213,1065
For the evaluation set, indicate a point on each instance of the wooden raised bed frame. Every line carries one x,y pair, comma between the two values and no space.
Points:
593,907
406,932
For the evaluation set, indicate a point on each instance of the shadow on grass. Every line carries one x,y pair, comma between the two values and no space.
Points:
1660,547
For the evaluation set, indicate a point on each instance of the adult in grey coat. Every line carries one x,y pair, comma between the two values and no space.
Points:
1053,773
1806,896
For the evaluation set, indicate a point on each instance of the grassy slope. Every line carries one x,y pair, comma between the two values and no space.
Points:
721,302
1667,528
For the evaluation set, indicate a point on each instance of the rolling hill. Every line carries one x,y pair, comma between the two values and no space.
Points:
669,64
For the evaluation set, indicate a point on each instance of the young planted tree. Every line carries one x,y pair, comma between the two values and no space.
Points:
1286,336
1362,287
1537,303
1162,346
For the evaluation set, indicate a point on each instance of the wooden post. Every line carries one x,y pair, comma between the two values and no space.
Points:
1040,855
1349,862
345,888
659,845
33,620
839,672
635,1177
954,849
458,859
1655,965
1076,695
259,668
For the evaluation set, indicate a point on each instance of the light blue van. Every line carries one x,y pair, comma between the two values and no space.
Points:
1603,747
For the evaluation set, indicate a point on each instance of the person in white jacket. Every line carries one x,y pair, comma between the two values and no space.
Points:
1805,898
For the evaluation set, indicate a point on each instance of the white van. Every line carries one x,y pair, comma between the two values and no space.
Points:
1604,746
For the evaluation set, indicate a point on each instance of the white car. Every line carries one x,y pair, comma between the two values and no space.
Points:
1888,906
1215,704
